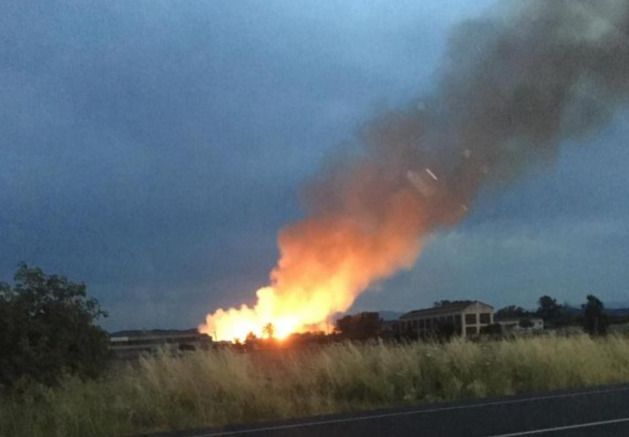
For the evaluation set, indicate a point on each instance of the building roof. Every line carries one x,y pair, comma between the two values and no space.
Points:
454,307
153,332
517,319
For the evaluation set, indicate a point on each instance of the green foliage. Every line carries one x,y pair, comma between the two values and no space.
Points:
525,323
359,326
548,309
446,302
47,329
511,312
595,320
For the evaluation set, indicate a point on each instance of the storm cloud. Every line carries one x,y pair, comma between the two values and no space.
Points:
153,149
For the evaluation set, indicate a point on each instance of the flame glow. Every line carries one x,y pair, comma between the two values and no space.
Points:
325,263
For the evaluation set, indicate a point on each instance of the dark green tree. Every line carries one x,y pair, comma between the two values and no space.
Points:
446,302
594,318
47,328
525,323
548,309
511,312
359,326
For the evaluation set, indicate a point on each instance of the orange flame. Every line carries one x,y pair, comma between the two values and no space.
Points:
491,116
325,262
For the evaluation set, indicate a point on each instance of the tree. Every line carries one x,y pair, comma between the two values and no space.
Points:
359,326
548,309
47,328
526,323
446,302
269,330
251,340
511,312
595,321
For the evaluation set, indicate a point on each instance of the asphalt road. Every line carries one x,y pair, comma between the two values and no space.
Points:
603,411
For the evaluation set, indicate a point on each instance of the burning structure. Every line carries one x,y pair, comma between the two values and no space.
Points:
512,88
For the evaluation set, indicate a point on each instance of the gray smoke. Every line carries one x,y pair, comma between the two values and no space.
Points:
512,88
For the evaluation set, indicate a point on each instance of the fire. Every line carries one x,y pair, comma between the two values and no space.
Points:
326,262
502,102
236,324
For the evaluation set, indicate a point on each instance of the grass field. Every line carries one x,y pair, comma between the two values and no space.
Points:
222,387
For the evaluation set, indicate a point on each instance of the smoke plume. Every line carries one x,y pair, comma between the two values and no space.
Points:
512,88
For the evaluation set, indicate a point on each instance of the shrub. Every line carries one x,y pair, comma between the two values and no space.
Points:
47,329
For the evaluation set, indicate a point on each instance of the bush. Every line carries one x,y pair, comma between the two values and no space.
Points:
595,320
47,329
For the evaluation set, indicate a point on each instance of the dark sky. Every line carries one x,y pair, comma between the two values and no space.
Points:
153,149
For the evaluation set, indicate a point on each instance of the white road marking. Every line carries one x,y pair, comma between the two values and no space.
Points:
419,411
563,428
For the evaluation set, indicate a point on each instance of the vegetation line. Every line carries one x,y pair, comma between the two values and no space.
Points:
221,387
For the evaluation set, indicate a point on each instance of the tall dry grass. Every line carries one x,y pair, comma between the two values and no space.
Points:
223,387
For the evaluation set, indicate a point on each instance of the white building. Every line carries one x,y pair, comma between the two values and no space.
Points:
132,344
522,325
464,318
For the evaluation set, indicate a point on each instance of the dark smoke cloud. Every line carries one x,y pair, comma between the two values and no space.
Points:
512,88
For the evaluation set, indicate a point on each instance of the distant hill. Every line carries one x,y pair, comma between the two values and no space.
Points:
617,312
